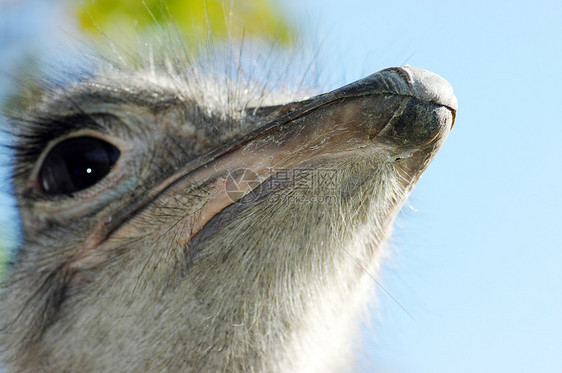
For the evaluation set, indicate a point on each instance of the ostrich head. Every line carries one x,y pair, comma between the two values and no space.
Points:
176,221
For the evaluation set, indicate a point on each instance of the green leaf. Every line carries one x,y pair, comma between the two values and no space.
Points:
235,19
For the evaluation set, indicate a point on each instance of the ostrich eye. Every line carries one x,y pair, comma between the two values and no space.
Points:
76,164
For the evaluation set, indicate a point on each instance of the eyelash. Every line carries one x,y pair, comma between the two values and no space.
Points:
34,135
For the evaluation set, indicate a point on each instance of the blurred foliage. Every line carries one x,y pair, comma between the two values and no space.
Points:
121,19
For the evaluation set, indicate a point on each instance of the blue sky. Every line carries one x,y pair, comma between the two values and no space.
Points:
477,251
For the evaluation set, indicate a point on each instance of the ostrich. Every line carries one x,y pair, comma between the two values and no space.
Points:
177,220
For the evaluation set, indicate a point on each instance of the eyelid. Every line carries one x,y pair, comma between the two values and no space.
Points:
37,133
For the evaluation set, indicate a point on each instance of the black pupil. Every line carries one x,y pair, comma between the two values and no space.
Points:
76,164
